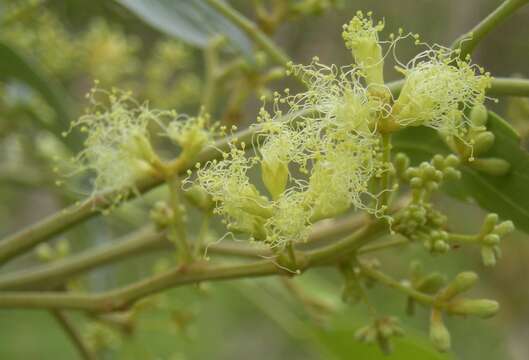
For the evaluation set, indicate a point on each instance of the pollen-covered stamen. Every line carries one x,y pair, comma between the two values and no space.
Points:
438,90
117,146
361,36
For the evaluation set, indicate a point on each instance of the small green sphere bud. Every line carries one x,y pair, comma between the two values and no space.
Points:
416,182
439,335
480,307
491,166
478,115
483,142
45,252
452,160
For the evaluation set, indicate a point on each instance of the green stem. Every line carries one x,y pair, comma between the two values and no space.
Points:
499,87
211,69
467,42
252,31
193,273
73,335
50,275
386,176
389,282
177,229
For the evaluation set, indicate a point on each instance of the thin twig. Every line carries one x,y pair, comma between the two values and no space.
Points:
72,334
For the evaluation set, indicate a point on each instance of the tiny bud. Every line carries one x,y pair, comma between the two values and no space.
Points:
480,307
462,282
439,335
504,228
491,166
478,115
488,257
483,142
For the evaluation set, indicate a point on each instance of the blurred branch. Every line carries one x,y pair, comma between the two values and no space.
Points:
467,42
198,272
73,335
252,30
144,240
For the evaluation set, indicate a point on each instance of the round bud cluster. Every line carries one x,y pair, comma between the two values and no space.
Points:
380,331
421,222
427,177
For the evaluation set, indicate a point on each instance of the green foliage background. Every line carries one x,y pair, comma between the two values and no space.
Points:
256,318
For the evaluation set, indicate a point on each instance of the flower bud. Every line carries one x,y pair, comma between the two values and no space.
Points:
361,36
491,166
439,335
275,177
480,307
199,198
504,228
462,282
479,115
483,142
488,256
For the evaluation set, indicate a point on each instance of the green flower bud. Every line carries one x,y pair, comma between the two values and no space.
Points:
483,142
431,283
504,228
275,177
488,256
439,335
479,115
361,36
491,166
45,252
462,282
402,163
480,307
199,198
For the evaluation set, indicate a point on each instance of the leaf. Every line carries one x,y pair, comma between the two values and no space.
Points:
505,195
15,66
336,341
191,21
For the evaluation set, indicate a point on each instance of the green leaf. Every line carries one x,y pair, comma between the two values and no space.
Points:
191,21
15,66
505,195
336,341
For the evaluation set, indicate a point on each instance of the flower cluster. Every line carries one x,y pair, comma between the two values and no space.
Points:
119,146
320,151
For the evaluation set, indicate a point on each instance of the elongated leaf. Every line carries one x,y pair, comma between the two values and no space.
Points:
15,66
506,195
192,21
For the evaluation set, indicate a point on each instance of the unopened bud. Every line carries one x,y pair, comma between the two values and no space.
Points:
479,115
480,307
491,166
439,335
483,142
462,282
275,177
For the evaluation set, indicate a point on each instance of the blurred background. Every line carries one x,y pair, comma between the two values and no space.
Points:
50,54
